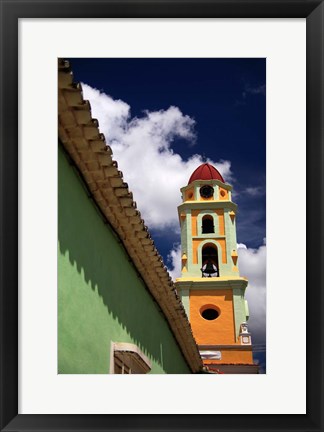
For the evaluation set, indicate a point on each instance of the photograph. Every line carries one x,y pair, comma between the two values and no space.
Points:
161,194
161,216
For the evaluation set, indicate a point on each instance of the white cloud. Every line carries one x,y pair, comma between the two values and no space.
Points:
241,246
142,148
174,258
255,191
252,265
256,90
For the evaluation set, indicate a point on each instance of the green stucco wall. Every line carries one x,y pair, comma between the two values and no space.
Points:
100,295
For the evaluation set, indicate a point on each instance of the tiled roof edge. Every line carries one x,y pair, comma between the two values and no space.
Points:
81,137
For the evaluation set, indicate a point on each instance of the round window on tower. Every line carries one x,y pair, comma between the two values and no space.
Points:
206,191
209,312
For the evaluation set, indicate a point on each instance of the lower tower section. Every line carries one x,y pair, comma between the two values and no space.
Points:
218,316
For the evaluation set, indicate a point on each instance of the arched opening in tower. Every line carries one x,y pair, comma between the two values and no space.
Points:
209,261
208,225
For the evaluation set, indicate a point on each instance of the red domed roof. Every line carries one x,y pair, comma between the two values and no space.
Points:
205,172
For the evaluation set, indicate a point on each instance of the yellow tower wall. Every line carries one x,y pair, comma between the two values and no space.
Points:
230,356
220,330
194,214
219,334
220,213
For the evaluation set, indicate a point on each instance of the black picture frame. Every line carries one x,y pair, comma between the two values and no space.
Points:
11,11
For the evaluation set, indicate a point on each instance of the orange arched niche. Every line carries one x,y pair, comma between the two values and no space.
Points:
221,253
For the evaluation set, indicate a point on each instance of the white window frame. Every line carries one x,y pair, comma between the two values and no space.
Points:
130,357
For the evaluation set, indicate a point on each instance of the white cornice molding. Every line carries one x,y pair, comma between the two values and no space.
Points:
206,205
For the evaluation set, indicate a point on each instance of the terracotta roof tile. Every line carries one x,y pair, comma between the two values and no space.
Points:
82,139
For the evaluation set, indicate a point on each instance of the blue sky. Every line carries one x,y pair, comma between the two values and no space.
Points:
162,118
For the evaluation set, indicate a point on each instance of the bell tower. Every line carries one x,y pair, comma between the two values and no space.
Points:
211,288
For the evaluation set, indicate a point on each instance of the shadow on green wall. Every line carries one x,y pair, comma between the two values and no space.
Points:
96,253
